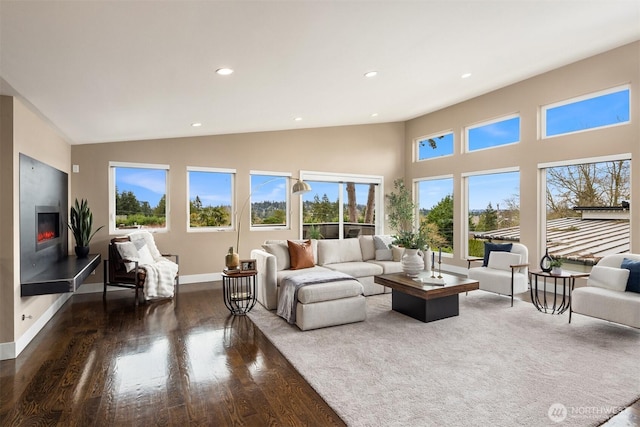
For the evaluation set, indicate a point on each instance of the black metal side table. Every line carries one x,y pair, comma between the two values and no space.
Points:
559,302
239,291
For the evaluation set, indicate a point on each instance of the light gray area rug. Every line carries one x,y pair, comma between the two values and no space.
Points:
491,366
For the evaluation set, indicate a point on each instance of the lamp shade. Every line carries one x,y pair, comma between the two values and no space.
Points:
300,187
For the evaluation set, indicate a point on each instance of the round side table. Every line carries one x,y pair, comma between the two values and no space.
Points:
239,291
554,302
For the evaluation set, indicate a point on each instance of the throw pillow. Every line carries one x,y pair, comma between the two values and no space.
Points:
608,278
633,283
367,247
503,260
301,254
281,252
144,256
382,245
384,255
497,247
382,242
397,253
127,250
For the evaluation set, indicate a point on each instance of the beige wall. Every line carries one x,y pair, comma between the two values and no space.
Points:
367,149
6,220
617,67
31,136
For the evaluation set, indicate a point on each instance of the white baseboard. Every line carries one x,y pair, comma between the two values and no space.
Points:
90,288
11,350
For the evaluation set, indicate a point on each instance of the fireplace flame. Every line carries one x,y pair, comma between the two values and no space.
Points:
46,235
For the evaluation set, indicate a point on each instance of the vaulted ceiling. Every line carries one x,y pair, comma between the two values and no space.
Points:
121,70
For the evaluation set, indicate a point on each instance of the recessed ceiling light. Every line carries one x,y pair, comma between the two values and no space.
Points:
297,119
371,73
224,71
374,115
466,75
195,125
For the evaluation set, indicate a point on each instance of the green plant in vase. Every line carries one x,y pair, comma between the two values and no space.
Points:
556,265
81,226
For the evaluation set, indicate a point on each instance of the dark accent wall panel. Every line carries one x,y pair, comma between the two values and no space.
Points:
41,186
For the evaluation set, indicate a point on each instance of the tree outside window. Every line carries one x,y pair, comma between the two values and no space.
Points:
494,203
210,198
140,197
268,201
435,205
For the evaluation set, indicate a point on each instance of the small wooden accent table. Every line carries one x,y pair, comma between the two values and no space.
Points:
423,301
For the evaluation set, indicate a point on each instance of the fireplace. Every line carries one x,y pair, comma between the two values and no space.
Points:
47,226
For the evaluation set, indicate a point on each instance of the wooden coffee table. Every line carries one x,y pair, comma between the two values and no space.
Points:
423,301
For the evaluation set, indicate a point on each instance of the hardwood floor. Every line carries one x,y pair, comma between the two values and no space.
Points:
169,363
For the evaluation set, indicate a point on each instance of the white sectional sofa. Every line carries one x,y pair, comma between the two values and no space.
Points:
326,304
607,295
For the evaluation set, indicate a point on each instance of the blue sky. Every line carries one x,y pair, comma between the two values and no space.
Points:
603,110
149,185
494,188
213,188
494,134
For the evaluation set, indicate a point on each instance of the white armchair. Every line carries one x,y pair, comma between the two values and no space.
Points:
503,272
608,294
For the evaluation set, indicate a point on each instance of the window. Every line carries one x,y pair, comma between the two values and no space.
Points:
492,134
269,200
493,206
607,108
210,198
435,207
434,146
359,209
587,209
340,206
137,196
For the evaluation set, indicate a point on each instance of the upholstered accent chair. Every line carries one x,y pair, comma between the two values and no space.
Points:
134,261
612,292
504,269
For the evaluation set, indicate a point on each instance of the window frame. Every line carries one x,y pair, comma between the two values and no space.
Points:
574,100
464,220
418,140
287,177
209,229
542,192
113,230
341,179
504,118
416,197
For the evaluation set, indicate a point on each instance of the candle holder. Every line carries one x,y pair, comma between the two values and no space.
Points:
439,269
433,270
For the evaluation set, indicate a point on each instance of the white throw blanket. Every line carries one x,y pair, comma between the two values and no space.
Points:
160,279
161,273
288,298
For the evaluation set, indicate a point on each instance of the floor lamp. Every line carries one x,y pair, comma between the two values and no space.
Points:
300,187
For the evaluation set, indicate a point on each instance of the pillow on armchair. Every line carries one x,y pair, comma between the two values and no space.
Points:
502,260
494,247
608,278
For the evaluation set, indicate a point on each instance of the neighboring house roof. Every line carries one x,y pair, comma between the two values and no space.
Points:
575,239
